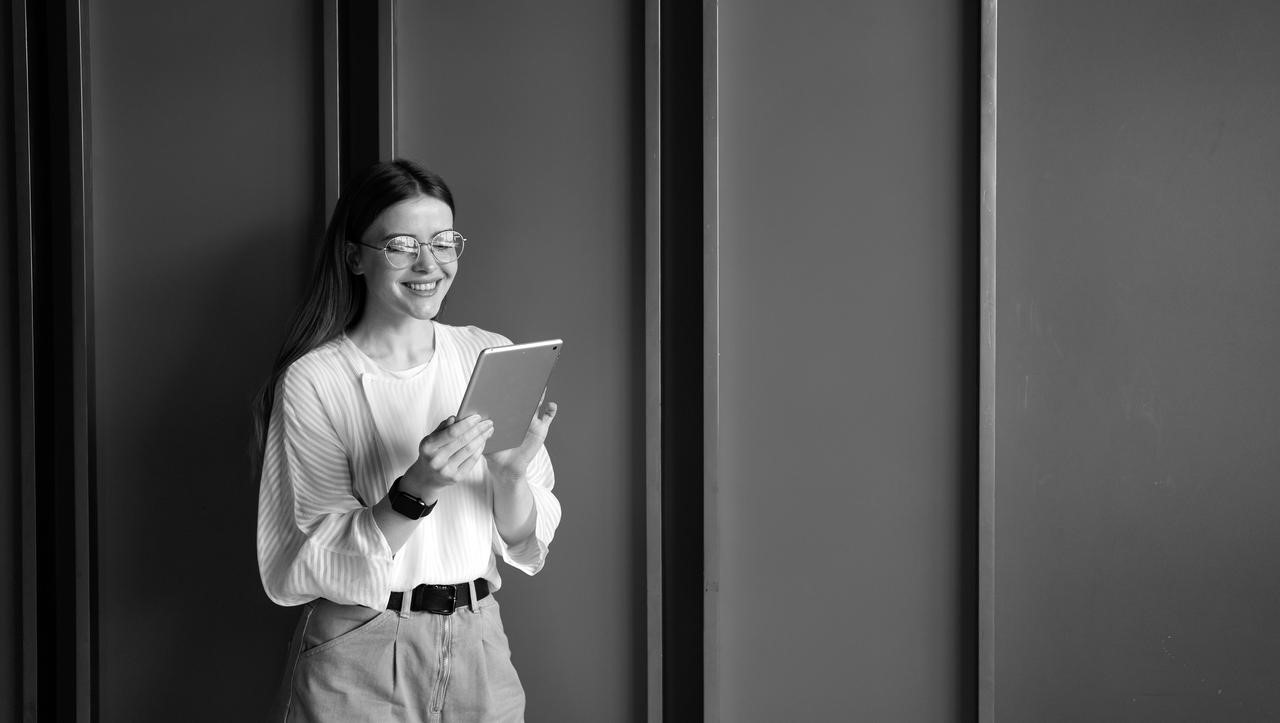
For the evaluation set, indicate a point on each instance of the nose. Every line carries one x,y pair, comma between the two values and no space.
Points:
425,261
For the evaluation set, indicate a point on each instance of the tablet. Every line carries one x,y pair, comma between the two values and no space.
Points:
506,386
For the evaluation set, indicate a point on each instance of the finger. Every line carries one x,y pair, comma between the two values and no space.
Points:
449,447
536,435
431,442
450,429
472,455
542,421
478,455
548,411
440,431
465,426
470,449
469,463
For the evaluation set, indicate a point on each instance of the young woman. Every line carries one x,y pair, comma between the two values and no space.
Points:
378,511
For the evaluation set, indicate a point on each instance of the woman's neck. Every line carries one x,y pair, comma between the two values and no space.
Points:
403,345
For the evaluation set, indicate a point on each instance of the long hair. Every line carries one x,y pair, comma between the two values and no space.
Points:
335,297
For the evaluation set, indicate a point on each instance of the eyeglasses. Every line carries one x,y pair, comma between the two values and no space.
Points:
402,251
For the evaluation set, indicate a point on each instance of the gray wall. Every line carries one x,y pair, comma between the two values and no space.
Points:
206,194
1137,433
532,112
10,493
843,453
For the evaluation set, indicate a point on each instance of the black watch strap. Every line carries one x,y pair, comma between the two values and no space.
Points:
406,504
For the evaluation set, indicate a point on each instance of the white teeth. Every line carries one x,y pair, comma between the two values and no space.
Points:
422,287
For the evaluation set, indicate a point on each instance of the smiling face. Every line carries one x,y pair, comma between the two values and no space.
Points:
416,292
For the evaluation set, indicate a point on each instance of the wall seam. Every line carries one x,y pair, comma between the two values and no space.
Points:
987,371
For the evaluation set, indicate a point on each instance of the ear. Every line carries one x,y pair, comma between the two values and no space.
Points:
351,254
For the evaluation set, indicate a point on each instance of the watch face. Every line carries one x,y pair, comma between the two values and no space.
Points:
408,505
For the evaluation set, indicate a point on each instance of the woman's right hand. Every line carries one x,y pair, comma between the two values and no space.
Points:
446,456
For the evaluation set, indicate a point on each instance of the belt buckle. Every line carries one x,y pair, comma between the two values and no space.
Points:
453,599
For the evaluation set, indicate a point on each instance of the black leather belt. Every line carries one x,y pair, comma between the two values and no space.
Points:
440,599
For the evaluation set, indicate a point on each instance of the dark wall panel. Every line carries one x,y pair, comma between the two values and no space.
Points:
846,306
10,489
1137,433
534,115
206,184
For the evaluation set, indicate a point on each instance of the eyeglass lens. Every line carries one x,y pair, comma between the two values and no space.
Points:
445,246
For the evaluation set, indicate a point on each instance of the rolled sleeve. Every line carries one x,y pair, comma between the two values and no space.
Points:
315,539
530,554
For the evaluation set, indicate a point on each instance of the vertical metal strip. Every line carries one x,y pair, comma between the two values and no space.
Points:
330,63
711,361
26,358
987,371
80,245
653,355
386,79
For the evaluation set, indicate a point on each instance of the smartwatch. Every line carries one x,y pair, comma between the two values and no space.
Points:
408,505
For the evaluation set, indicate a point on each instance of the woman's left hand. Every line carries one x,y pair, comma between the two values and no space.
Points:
510,465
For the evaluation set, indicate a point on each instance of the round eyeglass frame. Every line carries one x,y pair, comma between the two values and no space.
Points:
459,240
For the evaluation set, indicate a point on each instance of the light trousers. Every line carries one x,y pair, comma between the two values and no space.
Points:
351,663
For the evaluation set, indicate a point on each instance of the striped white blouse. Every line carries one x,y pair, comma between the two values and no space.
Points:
341,431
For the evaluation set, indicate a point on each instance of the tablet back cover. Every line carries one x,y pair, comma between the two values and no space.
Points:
506,387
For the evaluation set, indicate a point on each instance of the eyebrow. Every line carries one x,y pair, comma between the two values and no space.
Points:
390,236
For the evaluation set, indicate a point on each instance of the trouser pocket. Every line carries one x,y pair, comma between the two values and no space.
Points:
345,669
332,625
